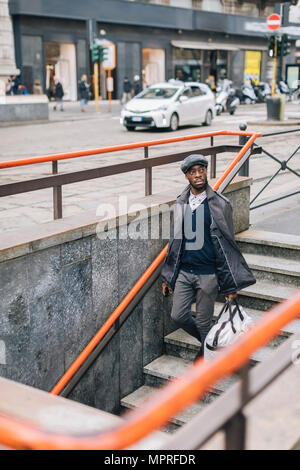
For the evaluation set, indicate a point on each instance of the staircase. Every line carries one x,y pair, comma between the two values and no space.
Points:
275,261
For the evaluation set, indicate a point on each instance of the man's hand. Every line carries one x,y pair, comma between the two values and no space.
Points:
166,290
231,297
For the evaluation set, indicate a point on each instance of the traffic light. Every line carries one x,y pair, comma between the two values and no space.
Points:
102,53
95,53
285,45
271,46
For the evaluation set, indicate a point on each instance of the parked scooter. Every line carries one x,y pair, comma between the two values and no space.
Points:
247,94
284,89
226,98
262,91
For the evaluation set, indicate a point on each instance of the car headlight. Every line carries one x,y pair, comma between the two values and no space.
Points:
162,108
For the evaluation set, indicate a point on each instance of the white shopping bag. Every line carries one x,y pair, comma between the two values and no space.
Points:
231,323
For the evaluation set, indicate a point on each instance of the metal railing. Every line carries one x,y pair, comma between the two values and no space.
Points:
57,181
283,165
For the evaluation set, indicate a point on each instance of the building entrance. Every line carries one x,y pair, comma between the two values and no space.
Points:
153,66
61,65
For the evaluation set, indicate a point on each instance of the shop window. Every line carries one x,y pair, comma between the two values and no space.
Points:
153,66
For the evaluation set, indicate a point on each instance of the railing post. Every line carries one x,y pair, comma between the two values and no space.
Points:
57,195
148,175
235,428
244,171
213,161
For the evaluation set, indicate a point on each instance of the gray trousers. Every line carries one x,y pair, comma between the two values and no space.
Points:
199,288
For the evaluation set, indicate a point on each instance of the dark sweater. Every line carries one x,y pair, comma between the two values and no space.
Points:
199,260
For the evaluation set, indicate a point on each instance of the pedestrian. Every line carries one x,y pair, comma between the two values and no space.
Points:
59,94
9,86
127,87
136,85
22,90
84,93
203,257
37,89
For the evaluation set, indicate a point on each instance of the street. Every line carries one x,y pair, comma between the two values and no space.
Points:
71,130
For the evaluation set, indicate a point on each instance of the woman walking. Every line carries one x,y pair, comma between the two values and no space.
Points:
84,93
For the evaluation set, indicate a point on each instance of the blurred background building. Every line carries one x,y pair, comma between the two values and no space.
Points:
155,39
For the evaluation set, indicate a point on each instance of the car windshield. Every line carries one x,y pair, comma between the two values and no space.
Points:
158,93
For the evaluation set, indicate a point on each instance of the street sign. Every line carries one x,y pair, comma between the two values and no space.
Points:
274,21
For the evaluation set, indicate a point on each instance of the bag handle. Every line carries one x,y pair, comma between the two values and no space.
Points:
231,315
226,306
224,309
238,309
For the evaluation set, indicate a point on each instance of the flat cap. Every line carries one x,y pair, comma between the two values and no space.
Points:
191,160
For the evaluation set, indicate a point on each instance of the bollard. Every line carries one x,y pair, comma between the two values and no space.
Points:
244,171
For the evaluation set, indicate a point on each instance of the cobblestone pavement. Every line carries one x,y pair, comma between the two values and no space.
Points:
71,130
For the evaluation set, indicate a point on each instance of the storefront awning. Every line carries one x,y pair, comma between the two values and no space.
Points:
216,46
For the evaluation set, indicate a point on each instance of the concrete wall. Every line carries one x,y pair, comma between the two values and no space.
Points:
24,108
60,282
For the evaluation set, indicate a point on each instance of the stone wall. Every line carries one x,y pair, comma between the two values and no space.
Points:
60,282
24,108
7,47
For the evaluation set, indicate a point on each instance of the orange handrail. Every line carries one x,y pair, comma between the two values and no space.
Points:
117,148
167,401
125,302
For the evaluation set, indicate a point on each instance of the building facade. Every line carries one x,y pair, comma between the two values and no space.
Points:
155,39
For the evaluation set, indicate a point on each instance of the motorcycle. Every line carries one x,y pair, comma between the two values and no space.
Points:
284,89
247,94
262,91
226,98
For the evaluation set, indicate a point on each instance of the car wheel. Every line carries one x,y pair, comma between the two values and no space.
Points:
248,101
208,118
130,128
174,122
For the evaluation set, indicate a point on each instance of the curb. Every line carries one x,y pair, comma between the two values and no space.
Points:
288,122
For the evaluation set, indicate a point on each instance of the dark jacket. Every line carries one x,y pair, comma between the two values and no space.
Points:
59,91
127,87
232,271
84,90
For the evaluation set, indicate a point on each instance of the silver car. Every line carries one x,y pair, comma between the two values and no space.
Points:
168,105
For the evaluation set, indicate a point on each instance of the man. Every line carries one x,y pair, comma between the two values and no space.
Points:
136,85
127,88
203,257
59,94
84,93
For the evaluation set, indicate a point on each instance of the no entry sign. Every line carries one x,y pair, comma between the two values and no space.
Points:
274,22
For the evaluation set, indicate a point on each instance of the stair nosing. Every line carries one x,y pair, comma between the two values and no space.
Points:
271,241
268,268
217,388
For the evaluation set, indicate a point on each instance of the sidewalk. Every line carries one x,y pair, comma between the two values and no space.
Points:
72,130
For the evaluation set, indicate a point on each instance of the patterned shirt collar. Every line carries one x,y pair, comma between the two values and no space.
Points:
195,201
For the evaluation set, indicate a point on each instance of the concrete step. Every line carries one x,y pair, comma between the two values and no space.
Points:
274,244
181,344
140,396
265,294
168,367
274,269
